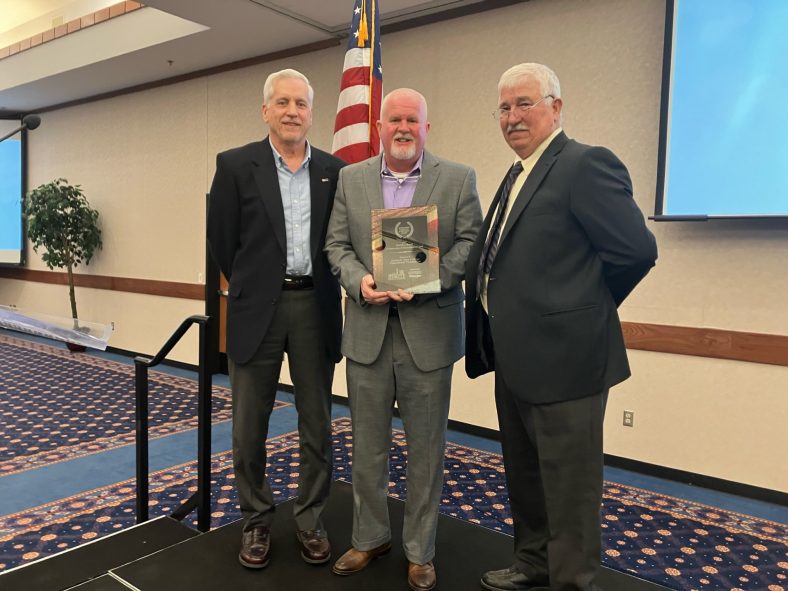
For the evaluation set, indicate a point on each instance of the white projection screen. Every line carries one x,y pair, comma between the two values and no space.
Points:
724,125
11,191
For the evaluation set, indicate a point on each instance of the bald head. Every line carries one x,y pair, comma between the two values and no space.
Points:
403,128
406,94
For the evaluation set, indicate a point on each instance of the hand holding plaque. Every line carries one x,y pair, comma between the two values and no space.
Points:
405,252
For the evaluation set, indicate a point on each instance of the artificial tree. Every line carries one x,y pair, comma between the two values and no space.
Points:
61,221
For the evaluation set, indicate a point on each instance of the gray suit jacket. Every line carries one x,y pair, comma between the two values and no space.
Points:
431,323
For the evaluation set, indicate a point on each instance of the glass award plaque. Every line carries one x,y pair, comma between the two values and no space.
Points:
405,252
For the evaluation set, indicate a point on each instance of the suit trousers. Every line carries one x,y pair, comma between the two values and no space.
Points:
295,330
423,402
553,459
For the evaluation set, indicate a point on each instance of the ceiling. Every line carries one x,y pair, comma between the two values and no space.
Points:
172,38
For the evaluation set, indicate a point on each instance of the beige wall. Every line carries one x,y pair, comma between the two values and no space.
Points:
146,161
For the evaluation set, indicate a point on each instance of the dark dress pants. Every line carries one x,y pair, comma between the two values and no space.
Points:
295,330
553,459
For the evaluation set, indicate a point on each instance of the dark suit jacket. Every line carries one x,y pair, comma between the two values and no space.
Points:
246,236
574,246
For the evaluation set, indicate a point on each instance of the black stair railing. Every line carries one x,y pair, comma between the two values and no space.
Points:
201,500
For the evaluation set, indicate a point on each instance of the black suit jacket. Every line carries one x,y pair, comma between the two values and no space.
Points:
574,246
246,236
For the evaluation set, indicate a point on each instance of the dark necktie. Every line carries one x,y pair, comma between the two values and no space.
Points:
494,235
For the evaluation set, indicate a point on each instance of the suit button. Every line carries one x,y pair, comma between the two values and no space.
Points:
273,301
492,316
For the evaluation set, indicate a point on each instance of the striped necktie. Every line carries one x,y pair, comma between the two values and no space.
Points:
491,244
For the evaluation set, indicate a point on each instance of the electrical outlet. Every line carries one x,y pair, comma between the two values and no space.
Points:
200,278
112,324
629,418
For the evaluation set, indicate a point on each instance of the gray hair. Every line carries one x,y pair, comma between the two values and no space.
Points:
268,87
548,81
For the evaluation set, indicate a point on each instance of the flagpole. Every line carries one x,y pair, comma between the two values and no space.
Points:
371,75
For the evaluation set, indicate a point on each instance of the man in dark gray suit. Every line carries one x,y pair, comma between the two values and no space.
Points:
562,245
400,347
269,208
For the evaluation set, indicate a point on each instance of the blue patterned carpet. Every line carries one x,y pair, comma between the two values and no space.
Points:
57,406
666,540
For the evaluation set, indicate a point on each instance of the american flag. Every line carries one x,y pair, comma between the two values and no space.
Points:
355,134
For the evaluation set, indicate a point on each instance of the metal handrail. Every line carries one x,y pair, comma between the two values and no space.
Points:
201,500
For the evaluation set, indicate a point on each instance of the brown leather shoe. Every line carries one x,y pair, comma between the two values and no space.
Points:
421,577
315,547
354,560
255,544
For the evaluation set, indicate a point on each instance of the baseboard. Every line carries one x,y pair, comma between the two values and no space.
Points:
710,482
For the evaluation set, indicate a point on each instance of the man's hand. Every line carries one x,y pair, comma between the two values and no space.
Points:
400,295
369,294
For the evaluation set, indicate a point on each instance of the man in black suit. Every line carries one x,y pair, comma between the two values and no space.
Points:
269,207
561,247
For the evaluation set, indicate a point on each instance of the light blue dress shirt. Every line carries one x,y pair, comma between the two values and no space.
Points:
297,205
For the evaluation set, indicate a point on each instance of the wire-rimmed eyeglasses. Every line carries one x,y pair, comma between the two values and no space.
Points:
520,108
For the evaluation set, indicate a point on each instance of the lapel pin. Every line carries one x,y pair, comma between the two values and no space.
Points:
323,180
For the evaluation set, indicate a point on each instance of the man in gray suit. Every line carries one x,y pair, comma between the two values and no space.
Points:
400,346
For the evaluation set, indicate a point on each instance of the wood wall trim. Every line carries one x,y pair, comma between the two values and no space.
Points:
754,347
716,343
169,289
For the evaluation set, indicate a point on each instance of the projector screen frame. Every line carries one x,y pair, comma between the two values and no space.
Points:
17,120
664,125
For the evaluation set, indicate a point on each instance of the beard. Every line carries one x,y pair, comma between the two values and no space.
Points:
403,151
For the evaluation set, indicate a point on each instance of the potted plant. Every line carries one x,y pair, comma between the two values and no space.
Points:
61,221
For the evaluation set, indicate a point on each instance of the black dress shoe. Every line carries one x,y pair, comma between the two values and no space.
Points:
315,547
511,579
255,544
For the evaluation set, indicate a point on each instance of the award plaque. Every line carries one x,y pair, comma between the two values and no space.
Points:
405,251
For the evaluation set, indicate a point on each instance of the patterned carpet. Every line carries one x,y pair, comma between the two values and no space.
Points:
56,405
678,544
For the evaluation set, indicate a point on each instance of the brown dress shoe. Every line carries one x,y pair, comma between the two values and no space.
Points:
354,560
421,577
255,544
315,547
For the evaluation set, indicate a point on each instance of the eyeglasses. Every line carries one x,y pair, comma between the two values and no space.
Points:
519,109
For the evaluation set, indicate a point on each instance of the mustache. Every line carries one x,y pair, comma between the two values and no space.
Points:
402,136
516,127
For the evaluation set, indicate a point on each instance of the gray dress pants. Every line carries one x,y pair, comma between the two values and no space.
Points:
423,401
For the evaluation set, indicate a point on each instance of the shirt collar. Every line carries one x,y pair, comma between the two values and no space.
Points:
280,161
385,171
530,161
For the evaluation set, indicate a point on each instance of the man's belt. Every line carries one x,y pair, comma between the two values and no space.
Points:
298,282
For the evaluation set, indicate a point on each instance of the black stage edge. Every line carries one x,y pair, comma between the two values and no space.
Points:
92,560
210,561
103,583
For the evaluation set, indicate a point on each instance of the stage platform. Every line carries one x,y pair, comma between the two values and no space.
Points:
165,555
89,561
210,561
